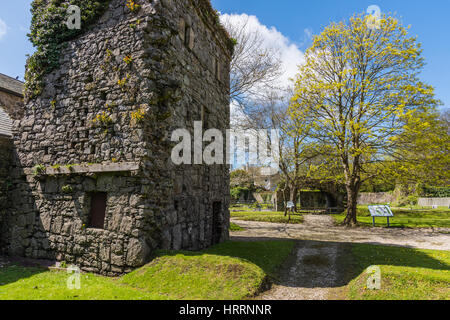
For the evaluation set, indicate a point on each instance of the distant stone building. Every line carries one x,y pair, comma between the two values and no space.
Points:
93,183
265,177
315,194
11,107
11,97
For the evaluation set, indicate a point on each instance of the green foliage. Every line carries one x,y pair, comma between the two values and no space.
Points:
67,189
241,184
360,95
49,33
267,216
241,178
434,192
239,192
406,274
381,182
231,270
404,218
235,227
423,152
266,196
102,119
39,169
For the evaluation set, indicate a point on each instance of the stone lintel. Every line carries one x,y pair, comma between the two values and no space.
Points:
88,168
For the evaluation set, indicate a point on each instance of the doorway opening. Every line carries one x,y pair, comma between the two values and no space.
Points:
217,222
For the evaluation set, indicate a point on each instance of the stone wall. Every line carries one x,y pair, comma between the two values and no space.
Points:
201,67
12,104
430,202
375,198
121,89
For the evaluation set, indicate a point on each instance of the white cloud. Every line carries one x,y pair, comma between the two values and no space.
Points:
3,28
291,55
236,114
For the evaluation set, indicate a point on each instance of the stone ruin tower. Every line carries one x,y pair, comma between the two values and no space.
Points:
92,182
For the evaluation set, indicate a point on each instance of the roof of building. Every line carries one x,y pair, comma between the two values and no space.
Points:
5,124
11,85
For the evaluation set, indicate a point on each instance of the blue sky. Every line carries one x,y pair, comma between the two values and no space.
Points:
429,21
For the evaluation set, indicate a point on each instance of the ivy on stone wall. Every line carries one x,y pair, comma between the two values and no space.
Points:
49,34
434,192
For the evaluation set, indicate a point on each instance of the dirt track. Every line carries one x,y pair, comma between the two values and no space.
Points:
322,228
309,274
314,269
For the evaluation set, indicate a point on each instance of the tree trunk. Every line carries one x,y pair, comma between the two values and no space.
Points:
284,201
352,204
352,184
293,197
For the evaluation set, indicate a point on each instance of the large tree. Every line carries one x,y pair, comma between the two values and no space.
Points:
359,89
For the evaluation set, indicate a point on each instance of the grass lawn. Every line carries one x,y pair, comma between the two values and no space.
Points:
232,270
405,218
266,216
406,274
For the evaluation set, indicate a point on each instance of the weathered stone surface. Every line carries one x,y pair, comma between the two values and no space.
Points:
82,130
5,180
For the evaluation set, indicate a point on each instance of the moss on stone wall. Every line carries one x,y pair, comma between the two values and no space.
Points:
49,33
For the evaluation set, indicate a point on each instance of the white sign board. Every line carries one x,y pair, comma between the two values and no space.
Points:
380,211
290,205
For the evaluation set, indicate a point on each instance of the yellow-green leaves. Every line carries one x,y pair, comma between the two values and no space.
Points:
359,90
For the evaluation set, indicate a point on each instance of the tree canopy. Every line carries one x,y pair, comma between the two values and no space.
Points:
360,95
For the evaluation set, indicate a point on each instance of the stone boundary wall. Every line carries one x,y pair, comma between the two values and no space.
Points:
375,198
429,202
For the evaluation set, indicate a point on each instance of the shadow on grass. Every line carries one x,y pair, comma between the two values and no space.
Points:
17,268
14,273
296,264
267,255
322,264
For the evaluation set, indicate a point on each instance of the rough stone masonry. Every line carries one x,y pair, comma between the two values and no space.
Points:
92,182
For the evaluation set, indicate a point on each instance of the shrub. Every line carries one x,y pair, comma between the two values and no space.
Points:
49,34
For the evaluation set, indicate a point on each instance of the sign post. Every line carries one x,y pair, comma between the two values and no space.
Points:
381,211
290,206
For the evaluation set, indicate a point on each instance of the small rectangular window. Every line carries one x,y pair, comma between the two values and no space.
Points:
217,69
98,210
187,34
182,29
205,118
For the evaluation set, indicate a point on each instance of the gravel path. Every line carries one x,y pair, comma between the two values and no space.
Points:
322,228
310,273
313,270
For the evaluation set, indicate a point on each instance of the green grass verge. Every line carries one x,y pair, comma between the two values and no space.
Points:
406,274
405,218
266,216
231,270
235,227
